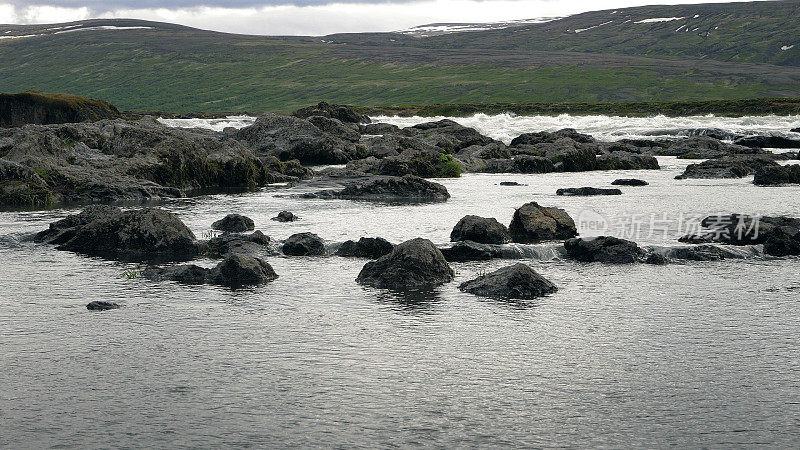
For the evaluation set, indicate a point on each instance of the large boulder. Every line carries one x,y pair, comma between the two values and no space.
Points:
447,135
533,223
414,264
142,234
234,223
421,163
285,216
120,160
229,243
346,131
388,189
480,229
289,138
372,248
304,244
727,167
34,107
776,175
607,249
587,191
768,142
516,282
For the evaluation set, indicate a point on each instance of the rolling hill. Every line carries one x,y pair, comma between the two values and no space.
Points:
731,51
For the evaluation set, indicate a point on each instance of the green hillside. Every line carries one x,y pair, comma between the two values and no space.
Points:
174,68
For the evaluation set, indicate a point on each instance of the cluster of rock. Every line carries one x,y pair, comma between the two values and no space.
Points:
780,236
587,191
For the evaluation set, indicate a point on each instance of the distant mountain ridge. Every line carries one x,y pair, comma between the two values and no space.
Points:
730,51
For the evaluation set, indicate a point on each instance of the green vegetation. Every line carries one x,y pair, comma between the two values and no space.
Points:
179,69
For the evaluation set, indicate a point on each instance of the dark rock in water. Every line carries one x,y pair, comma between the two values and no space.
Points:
108,232
776,175
447,135
185,273
414,264
607,249
656,259
587,191
421,163
389,189
242,270
727,167
768,142
234,223
235,271
120,160
379,129
285,216
779,235
795,130
372,248
547,137
342,113
494,150
511,183
518,281
304,244
33,107
705,147
236,243
519,164
289,138
629,182
626,161
98,305
578,160
703,252
480,229
533,223
566,154
470,251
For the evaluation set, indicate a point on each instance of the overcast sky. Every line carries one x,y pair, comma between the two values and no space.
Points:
305,17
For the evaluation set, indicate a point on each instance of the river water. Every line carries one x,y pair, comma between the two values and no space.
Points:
690,354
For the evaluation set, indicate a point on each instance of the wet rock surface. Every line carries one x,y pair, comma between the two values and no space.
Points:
235,271
304,244
413,264
480,229
388,189
515,282
365,247
285,216
109,232
777,175
779,235
234,223
533,223
629,182
728,167
102,306
606,249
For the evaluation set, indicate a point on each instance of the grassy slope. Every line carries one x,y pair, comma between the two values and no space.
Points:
179,69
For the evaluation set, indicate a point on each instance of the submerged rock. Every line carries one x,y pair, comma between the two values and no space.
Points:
480,229
795,130
517,281
607,249
389,189
629,182
511,183
234,223
587,191
372,248
470,251
533,223
109,232
304,244
414,264
776,175
99,305
285,216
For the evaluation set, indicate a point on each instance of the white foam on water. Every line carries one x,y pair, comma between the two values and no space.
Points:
210,124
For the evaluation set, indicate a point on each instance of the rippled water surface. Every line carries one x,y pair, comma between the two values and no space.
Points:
688,355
